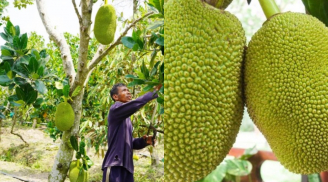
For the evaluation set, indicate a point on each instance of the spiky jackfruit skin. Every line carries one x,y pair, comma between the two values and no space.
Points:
105,24
202,77
64,116
286,76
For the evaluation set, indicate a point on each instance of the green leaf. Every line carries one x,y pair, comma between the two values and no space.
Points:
160,41
74,143
4,36
5,52
20,81
18,103
33,65
59,85
135,47
17,30
2,116
66,91
140,43
40,86
35,54
10,74
78,155
144,70
238,167
9,29
147,88
136,82
7,66
318,9
217,175
76,91
40,71
82,148
136,35
155,25
314,178
158,4
161,111
130,76
249,153
22,69
31,97
161,90
160,100
16,43
158,15
4,80
38,102
128,42
20,93
23,41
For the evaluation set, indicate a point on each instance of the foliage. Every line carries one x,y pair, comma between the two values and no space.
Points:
22,3
3,5
318,9
232,169
22,70
148,39
81,152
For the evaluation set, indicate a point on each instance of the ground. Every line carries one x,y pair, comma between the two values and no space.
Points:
33,163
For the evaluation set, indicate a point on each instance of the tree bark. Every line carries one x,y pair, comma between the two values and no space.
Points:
79,78
65,153
34,123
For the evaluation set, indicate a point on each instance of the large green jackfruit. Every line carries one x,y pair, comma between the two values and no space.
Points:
202,78
105,24
64,116
286,76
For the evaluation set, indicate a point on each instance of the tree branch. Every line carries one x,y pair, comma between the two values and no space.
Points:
59,39
85,26
100,54
77,12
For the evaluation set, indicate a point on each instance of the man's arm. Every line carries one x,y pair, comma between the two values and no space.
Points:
120,112
139,143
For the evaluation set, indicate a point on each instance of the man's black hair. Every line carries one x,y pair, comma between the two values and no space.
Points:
114,89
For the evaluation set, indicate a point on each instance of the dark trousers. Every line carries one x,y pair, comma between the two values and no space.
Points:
117,174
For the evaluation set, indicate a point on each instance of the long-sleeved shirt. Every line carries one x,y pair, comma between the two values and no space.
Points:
120,140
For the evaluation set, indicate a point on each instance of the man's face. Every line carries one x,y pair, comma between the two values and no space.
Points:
123,95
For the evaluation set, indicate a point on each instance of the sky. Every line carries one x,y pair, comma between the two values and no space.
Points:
62,15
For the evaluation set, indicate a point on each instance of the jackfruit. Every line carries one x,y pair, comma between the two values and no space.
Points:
105,24
64,116
74,175
286,76
203,102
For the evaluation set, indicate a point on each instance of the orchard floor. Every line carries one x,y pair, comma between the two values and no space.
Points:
33,163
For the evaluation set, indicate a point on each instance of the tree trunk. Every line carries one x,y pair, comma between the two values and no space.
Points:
0,127
34,123
154,157
65,153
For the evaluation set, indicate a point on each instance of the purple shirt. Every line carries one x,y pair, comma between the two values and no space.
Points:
120,140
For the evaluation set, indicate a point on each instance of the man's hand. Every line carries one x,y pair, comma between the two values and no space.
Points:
158,87
149,140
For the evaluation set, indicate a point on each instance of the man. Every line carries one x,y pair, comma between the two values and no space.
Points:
118,162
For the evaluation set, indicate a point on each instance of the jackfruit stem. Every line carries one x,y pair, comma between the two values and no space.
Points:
106,1
269,8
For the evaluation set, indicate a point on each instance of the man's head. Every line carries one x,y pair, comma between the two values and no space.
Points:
121,93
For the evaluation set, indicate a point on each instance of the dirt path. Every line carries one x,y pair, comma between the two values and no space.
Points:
33,163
